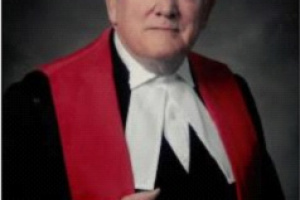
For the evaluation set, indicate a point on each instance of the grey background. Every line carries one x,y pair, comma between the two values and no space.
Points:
257,39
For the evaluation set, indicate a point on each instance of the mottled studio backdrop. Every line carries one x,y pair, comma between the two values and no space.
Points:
257,38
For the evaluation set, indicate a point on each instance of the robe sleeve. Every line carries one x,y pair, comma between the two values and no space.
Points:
32,161
271,188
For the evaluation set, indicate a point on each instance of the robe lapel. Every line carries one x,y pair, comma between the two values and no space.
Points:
95,153
225,104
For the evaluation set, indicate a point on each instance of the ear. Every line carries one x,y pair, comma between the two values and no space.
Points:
111,6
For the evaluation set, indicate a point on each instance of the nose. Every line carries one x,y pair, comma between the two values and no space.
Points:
167,8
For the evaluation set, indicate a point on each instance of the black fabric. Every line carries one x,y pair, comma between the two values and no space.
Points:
32,160
206,173
121,76
204,181
270,185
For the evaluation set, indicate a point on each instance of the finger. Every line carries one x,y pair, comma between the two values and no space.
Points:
149,195
152,195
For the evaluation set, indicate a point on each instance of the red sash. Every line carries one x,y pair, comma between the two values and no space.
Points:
94,147
226,105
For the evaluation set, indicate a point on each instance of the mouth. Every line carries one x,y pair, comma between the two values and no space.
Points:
164,28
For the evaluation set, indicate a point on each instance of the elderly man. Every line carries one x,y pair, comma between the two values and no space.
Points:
136,115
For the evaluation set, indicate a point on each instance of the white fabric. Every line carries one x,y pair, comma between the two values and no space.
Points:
176,127
165,104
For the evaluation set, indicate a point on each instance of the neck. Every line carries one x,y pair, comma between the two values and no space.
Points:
161,66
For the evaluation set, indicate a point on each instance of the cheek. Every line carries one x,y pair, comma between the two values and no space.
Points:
190,12
191,25
132,9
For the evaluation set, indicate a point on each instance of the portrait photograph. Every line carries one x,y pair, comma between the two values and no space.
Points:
150,99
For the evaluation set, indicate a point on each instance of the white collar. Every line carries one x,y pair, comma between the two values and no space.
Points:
146,119
138,75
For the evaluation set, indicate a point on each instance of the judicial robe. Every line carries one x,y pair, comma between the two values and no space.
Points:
63,136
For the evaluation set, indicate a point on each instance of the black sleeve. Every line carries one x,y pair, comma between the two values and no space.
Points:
271,188
32,161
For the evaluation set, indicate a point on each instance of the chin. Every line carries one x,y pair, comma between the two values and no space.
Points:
162,70
162,47
165,53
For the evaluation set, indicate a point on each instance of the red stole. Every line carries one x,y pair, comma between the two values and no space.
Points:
94,147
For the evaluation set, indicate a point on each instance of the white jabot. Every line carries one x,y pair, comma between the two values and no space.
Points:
165,105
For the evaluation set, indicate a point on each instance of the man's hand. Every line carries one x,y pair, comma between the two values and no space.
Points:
149,195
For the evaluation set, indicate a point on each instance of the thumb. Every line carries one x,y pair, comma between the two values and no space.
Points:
149,195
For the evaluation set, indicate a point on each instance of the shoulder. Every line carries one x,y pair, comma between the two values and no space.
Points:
27,93
206,61
209,70
94,52
219,74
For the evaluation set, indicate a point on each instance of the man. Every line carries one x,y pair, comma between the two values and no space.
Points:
136,115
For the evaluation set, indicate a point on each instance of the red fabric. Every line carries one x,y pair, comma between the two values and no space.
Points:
225,104
94,146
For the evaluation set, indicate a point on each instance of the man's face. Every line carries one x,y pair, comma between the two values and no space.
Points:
158,29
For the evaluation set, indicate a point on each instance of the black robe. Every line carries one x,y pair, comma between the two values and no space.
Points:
33,166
